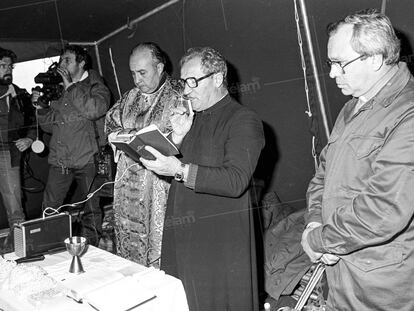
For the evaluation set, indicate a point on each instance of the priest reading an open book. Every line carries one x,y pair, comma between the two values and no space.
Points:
140,197
211,246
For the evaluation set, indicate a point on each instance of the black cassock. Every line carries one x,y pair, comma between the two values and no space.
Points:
208,239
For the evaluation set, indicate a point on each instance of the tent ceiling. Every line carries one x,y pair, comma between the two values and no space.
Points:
68,20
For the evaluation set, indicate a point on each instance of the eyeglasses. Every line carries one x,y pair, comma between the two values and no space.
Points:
7,66
331,63
193,82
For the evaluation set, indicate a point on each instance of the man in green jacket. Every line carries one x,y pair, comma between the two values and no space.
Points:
361,199
72,120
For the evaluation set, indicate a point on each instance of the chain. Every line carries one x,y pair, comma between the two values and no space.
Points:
302,57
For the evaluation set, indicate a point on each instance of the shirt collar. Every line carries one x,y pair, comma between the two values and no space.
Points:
84,76
11,91
221,102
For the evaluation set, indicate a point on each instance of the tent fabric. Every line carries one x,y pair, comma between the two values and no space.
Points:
71,20
38,29
258,38
29,50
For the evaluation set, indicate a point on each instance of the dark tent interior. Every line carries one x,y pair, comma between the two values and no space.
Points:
270,70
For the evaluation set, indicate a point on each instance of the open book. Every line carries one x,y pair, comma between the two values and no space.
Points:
133,144
108,290
122,295
80,285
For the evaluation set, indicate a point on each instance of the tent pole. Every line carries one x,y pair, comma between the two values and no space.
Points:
141,18
98,59
314,67
83,43
383,6
113,33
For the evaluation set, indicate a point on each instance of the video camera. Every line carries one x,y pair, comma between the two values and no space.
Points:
52,88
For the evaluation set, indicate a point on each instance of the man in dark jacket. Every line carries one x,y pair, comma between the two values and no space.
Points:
72,120
15,137
361,200
208,239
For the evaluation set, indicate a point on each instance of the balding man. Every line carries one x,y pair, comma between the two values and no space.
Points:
140,198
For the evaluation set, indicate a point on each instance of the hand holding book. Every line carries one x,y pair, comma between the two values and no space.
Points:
166,166
134,144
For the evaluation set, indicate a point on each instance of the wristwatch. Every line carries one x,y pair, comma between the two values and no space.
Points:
179,176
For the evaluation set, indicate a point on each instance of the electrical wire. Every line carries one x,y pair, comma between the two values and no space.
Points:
51,211
30,175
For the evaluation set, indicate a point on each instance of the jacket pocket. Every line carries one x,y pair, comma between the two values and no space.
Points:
376,257
363,146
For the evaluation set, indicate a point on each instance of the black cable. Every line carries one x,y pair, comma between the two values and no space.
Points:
30,175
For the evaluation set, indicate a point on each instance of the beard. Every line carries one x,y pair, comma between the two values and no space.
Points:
7,79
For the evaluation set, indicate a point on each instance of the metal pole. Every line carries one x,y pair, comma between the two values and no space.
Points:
83,43
141,18
98,59
314,67
115,74
383,6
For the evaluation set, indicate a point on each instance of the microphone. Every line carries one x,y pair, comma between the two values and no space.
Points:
38,146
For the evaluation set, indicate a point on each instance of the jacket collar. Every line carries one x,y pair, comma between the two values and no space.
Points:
385,96
393,87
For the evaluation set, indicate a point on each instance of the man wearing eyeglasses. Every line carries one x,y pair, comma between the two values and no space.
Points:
16,136
208,239
361,200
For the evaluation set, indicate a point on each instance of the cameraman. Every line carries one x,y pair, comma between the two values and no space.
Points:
16,136
72,120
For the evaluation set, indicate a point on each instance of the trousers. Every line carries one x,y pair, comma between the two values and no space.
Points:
10,189
58,184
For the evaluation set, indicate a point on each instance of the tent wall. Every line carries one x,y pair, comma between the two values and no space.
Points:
259,40
28,50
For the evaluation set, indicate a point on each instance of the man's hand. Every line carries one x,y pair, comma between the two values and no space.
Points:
329,259
23,143
66,77
162,165
181,122
35,98
314,256
326,258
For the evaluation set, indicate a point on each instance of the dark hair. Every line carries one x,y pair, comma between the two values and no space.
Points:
157,54
373,34
8,53
81,54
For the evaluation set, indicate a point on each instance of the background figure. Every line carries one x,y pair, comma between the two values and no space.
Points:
71,121
361,200
140,197
208,239
16,136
